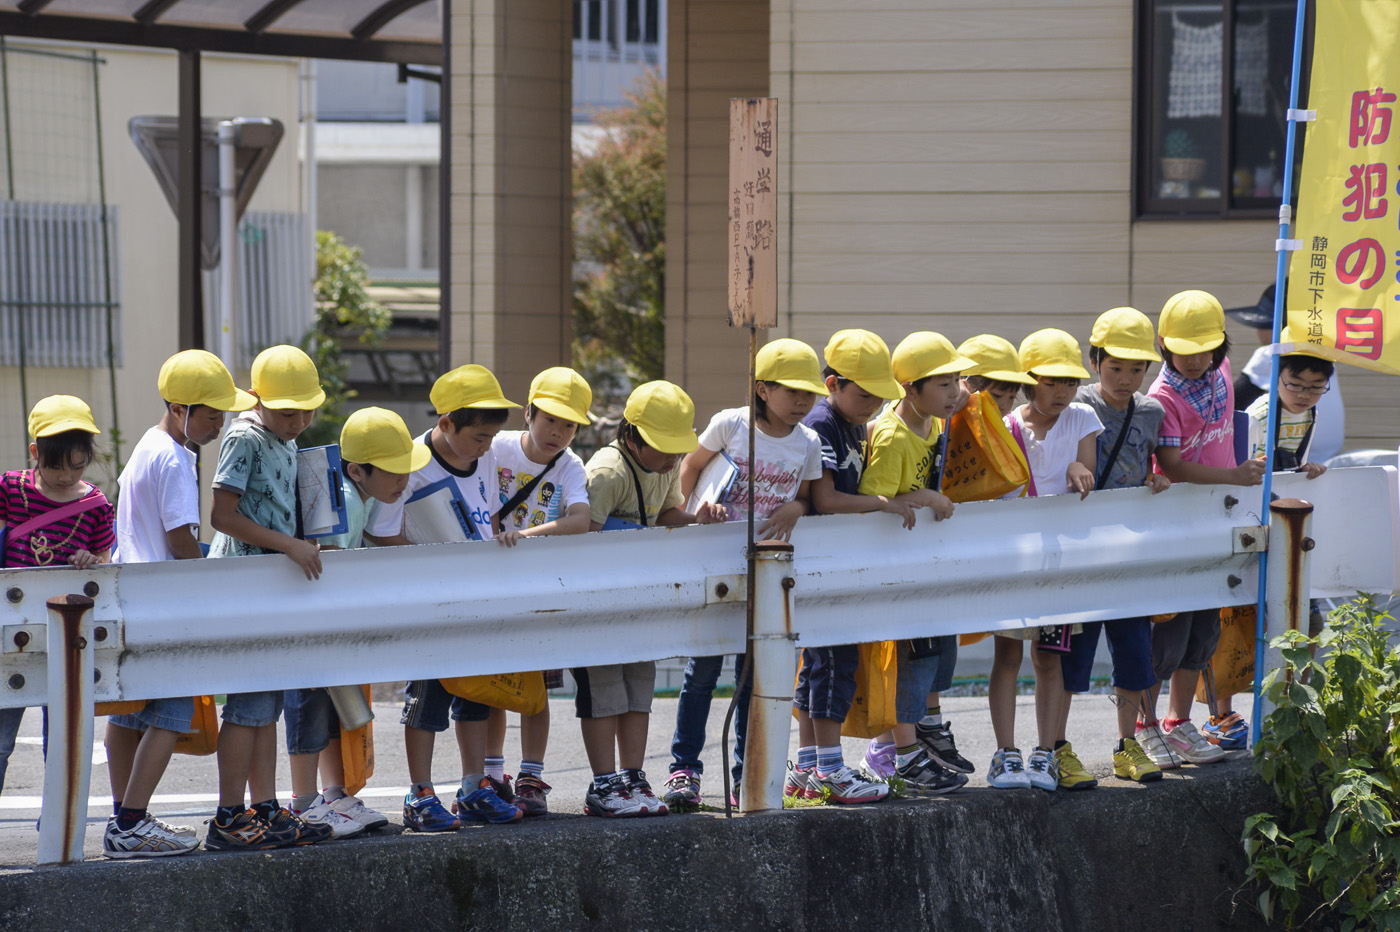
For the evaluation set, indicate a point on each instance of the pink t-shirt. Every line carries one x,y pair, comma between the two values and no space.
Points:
1207,443
52,545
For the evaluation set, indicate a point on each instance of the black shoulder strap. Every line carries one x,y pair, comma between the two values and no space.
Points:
524,491
1117,445
637,485
1302,451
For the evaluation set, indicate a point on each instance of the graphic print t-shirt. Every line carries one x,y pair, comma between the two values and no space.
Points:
563,485
843,445
783,463
476,485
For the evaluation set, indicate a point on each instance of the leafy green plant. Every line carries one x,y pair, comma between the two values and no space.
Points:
620,244
1331,752
344,311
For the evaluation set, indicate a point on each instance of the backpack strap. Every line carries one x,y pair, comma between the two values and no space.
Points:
637,485
524,491
1117,446
93,499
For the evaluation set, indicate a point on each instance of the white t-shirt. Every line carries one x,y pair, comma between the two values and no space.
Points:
1050,458
783,464
159,492
565,484
477,487
1330,431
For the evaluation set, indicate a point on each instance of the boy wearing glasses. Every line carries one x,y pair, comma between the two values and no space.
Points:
1302,382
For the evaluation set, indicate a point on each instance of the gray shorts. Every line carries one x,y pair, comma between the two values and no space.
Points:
1186,642
614,688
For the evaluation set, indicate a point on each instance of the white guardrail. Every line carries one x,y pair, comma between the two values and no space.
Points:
237,625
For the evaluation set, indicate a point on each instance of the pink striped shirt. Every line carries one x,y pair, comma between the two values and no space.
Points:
53,544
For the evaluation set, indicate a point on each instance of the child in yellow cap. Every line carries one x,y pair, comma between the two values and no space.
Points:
378,456
788,458
1196,444
633,480
903,447
48,515
158,519
471,412
255,512
543,492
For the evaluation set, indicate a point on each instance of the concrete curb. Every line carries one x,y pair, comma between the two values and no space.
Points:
1119,857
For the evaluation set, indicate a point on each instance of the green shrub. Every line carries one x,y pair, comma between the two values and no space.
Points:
1331,752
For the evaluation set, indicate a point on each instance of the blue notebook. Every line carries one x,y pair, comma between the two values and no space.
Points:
320,494
437,514
617,524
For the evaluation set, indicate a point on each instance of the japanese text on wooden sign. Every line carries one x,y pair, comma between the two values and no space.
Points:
753,212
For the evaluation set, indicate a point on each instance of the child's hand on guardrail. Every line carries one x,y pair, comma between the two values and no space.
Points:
1314,469
711,513
1250,472
897,507
508,538
1158,483
83,559
307,555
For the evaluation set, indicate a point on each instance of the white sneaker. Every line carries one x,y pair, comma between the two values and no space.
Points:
352,808
183,830
321,813
1192,746
1007,771
145,839
845,787
1043,769
613,801
1154,743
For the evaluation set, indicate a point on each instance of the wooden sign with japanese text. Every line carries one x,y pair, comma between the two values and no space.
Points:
753,212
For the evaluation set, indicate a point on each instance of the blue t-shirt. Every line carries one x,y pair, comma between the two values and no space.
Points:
843,445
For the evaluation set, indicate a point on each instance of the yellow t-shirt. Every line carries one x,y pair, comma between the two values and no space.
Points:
900,460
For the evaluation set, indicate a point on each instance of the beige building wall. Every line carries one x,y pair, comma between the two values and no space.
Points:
139,82
962,166
510,274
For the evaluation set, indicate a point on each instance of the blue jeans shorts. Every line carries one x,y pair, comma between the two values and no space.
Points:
311,720
1129,643
171,714
427,704
253,710
920,676
827,684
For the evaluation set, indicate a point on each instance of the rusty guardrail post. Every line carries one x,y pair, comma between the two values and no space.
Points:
770,710
1287,595
68,766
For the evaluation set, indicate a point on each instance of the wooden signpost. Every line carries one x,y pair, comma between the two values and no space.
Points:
753,212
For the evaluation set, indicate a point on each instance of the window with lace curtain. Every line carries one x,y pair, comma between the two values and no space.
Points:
1212,99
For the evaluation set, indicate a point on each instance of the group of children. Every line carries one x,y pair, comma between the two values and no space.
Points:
822,446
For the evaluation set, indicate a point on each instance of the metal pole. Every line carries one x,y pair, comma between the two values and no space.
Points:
1290,527
228,247
190,204
770,708
68,766
1285,226
116,434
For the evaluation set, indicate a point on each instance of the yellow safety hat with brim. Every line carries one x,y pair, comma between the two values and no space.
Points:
198,377
379,437
791,363
562,392
285,378
926,353
1125,333
994,358
1192,322
59,413
664,415
470,386
1053,354
863,358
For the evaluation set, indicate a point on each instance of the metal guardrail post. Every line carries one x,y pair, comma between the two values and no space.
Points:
770,710
1286,600
68,764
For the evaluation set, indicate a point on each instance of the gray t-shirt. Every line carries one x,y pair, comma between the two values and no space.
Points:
1134,463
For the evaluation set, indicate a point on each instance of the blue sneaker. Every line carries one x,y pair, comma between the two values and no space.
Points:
483,805
424,813
1230,733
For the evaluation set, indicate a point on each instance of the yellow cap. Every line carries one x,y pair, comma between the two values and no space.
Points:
863,357
58,413
1125,333
285,377
994,358
1053,354
664,415
562,392
379,437
197,377
1192,322
791,363
470,386
926,353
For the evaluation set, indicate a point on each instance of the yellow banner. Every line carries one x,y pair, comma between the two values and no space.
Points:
1343,294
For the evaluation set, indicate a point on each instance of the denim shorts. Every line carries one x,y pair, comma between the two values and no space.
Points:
1130,644
253,710
920,676
311,720
171,714
427,703
826,686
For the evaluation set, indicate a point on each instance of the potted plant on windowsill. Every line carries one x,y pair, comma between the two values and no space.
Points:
1181,158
